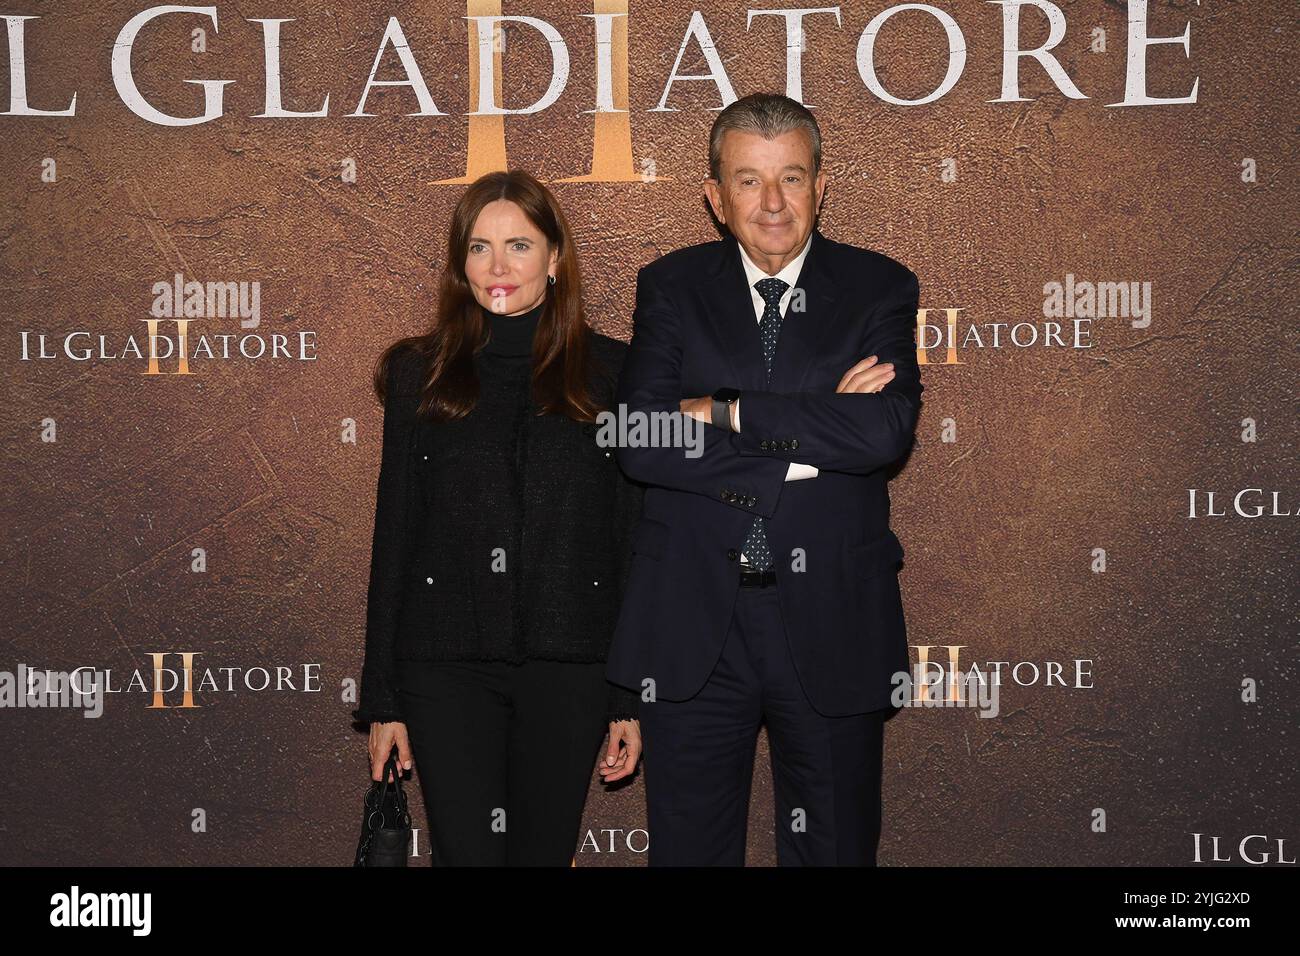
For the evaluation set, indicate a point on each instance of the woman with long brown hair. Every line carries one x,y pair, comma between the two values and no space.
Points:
500,544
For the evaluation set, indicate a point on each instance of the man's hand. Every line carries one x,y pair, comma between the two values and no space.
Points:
862,377
701,408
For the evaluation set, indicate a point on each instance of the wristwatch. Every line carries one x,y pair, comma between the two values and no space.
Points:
723,399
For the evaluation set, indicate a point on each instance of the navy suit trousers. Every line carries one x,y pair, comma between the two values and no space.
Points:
699,758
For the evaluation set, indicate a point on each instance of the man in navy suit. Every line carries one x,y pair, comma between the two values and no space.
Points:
763,585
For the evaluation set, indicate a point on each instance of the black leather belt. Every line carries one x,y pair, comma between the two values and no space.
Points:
756,579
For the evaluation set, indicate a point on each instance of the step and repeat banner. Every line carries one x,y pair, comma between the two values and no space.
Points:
216,217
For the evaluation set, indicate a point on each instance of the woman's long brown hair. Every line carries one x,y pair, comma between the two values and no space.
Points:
560,348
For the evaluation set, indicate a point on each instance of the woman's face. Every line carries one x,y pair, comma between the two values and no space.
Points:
508,259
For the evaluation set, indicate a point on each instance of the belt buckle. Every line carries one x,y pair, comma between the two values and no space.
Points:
756,579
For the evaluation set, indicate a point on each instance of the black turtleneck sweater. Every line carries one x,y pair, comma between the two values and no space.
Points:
504,535
511,336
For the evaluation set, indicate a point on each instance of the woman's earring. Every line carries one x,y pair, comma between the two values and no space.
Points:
551,280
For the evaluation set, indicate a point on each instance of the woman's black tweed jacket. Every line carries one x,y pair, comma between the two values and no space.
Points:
503,535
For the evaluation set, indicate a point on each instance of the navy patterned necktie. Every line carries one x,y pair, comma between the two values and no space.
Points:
771,289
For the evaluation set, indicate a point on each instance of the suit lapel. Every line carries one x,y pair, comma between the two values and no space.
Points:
731,312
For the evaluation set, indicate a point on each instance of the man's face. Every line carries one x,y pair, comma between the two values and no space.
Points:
767,194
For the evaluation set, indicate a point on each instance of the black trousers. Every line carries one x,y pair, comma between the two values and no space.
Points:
699,758
505,754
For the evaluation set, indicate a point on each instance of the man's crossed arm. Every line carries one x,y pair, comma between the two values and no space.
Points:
868,422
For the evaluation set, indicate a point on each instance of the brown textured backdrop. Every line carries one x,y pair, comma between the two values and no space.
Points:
1057,451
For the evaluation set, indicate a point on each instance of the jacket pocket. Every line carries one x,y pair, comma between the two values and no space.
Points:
649,537
879,556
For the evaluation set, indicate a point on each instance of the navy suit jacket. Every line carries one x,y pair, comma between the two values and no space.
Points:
836,559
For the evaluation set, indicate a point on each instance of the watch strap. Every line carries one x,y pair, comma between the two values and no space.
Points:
721,413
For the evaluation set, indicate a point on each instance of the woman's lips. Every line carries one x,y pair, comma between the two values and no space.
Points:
501,289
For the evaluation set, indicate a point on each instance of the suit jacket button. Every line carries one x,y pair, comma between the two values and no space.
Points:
794,443
766,445
428,580
732,554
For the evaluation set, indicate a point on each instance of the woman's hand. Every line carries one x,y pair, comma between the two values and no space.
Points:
382,738
620,763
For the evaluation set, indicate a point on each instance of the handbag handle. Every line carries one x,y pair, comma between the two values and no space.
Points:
390,765
375,807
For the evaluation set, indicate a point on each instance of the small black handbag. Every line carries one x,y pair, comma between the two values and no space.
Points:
386,822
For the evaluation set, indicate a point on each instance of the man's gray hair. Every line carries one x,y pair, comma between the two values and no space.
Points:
769,115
